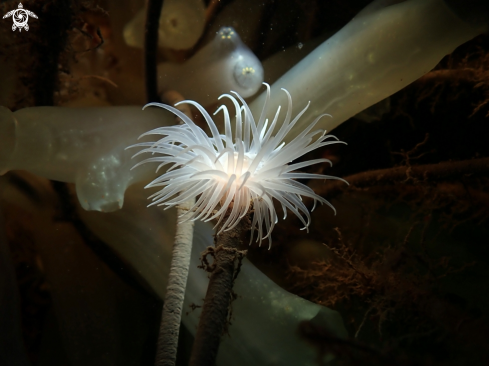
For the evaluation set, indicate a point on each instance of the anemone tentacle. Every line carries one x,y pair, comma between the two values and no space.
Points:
251,172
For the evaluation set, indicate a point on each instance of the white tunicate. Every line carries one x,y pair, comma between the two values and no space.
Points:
222,65
265,316
369,59
85,146
181,25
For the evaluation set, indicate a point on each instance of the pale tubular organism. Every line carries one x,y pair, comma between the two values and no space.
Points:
224,64
372,57
223,174
181,25
85,146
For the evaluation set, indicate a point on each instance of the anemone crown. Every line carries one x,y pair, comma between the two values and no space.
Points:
251,170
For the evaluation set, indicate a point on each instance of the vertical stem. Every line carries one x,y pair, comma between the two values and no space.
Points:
151,48
166,352
227,255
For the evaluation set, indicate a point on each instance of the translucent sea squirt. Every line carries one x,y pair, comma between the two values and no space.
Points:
85,146
376,54
224,64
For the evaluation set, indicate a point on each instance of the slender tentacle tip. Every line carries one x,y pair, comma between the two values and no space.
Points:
249,171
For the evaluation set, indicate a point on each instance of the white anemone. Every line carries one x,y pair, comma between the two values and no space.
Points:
250,171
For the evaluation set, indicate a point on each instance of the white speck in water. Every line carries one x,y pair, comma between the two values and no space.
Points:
300,45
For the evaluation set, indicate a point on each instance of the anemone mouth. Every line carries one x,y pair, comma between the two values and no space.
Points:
246,163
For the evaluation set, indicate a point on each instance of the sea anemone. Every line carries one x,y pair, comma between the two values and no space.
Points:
225,175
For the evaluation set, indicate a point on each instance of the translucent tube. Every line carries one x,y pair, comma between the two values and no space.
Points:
372,57
85,146
222,65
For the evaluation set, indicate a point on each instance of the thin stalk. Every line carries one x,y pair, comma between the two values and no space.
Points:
228,253
166,352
